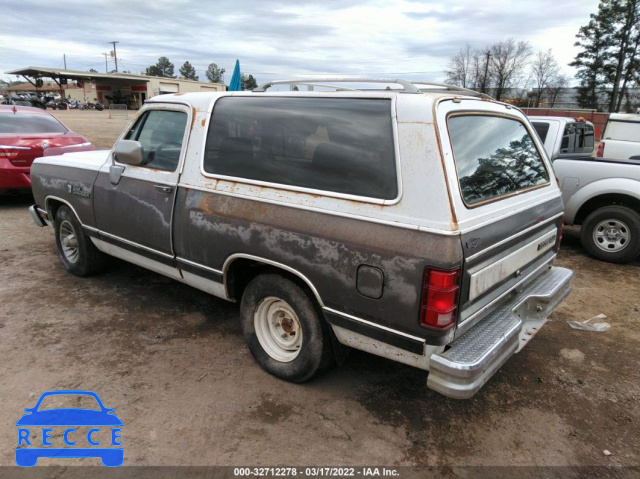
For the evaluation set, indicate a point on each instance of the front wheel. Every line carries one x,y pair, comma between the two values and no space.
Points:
283,329
77,253
612,234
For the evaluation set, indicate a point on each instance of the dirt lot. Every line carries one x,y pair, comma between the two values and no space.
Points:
172,362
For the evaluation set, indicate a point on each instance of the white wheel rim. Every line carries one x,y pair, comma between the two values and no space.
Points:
278,329
611,235
69,242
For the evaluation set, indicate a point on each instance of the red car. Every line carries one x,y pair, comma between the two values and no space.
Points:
27,133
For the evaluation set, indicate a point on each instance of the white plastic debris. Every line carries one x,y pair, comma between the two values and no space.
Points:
598,327
607,452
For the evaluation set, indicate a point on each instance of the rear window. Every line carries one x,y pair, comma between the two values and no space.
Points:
494,157
330,144
541,129
21,123
622,130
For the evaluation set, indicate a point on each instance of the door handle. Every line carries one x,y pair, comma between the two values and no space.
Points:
164,188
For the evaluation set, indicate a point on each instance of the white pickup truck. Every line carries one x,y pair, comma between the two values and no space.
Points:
621,138
601,195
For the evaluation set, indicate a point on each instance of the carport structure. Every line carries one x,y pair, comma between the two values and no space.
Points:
111,87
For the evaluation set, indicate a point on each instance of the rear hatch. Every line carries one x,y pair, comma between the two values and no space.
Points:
506,201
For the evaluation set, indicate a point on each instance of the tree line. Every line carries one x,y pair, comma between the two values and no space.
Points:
505,66
164,68
608,64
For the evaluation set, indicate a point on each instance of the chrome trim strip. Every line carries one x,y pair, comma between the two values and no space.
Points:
46,207
137,245
506,240
369,323
471,320
233,257
10,147
198,265
369,219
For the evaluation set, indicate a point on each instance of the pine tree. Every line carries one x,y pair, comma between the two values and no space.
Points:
608,59
187,71
164,68
214,74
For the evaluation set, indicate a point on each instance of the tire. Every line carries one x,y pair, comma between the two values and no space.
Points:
77,253
284,330
612,234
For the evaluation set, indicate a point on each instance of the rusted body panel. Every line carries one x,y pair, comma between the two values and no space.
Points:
325,248
73,185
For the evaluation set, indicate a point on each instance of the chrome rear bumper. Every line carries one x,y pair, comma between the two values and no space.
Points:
40,216
460,371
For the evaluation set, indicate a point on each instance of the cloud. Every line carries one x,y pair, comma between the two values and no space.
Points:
281,38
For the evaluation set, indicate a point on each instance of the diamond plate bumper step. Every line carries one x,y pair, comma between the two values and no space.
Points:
460,371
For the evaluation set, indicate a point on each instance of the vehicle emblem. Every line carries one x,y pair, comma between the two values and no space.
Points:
45,145
546,242
473,243
79,191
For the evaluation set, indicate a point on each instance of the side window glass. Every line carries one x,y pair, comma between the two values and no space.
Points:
160,132
568,137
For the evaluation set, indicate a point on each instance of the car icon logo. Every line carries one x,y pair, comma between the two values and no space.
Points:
36,431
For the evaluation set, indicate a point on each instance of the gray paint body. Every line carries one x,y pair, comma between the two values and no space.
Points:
326,249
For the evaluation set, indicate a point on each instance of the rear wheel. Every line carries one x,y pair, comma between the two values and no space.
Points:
283,329
77,253
612,234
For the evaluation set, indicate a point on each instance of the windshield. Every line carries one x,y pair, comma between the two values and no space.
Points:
25,123
494,156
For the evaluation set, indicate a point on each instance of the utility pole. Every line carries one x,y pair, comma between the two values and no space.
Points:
115,54
106,68
64,57
486,73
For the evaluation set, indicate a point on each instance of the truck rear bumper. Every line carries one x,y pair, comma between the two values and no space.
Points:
460,371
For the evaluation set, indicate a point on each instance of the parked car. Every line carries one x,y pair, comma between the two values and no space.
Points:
621,138
25,134
564,137
602,195
420,226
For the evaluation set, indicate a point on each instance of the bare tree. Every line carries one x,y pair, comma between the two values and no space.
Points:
554,86
544,69
508,61
460,70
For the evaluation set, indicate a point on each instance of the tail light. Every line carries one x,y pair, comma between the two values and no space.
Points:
12,153
600,151
439,298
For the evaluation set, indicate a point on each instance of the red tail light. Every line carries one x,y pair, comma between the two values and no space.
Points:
600,151
14,156
439,299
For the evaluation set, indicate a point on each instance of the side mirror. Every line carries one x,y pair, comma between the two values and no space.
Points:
128,152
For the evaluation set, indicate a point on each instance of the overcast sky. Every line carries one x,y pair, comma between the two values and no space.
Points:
279,39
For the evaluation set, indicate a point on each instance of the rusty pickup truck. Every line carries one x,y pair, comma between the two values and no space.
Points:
416,222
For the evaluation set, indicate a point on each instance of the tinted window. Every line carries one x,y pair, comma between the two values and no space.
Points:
330,144
160,133
25,123
584,138
541,129
494,156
